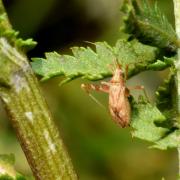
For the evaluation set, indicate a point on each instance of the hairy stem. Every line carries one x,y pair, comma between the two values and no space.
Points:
177,64
29,114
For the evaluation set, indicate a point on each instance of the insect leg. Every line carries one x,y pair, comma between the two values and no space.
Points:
127,94
126,72
88,87
103,87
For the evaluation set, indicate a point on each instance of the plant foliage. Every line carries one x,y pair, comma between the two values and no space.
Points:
154,123
149,25
12,35
95,65
7,171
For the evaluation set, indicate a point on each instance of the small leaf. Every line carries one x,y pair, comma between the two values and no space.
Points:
26,45
158,124
7,171
149,25
95,65
144,119
158,65
170,141
9,159
162,64
12,35
166,101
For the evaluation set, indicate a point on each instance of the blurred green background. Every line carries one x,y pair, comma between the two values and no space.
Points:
100,150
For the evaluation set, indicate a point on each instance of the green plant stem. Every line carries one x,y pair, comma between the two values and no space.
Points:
177,64
30,116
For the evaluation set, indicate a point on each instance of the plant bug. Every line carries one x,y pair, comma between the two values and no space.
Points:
119,105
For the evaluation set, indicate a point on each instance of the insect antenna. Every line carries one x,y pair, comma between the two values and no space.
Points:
96,100
87,88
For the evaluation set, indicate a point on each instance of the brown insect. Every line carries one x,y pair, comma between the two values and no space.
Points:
119,105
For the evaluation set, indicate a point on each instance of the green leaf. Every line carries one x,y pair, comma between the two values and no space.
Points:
12,35
158,124
95,65
169,141
7,171
8,159
149,25
166,101
162,64
144,119
25,45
